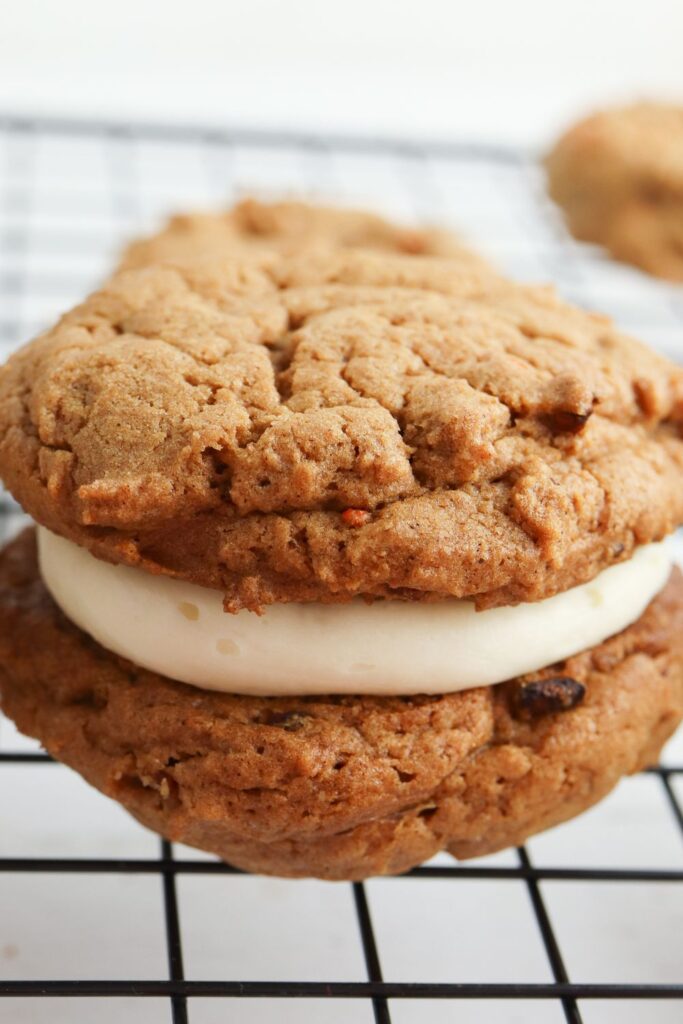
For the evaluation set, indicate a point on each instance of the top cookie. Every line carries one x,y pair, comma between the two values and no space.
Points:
312,427
252,226
619,177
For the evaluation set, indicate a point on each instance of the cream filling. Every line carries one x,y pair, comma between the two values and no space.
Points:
180,630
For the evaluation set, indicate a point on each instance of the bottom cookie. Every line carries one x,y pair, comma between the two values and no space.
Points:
339,787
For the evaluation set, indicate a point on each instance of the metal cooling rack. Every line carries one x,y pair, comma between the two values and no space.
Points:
579,925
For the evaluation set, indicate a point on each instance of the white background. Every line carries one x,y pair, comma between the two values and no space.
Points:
483,69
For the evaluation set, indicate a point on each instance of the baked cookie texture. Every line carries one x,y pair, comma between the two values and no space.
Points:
337,787
217,422
618,175
252,226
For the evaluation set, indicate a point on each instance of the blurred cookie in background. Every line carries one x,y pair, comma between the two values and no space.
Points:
618,176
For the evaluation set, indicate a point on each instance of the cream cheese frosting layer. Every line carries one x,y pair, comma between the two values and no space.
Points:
180,630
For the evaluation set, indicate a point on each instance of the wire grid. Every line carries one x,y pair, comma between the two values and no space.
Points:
70,194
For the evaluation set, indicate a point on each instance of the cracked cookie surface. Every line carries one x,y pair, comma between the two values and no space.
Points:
219,421
288,226
618,175
338,787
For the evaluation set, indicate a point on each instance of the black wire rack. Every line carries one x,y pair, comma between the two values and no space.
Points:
70,194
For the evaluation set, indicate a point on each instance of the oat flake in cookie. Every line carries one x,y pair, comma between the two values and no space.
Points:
618,175
289,432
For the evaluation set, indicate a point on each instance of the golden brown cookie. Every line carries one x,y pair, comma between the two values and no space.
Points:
339,787
289,226
312,428
618,175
